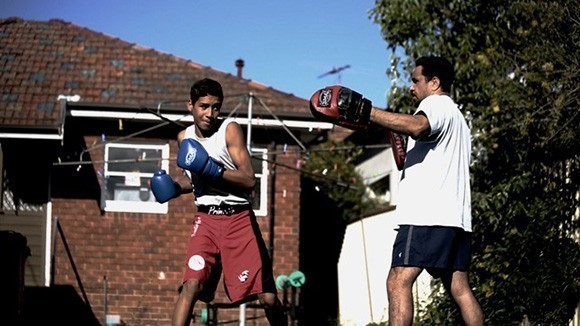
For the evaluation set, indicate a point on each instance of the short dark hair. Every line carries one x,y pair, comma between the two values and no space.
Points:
437,67
205,87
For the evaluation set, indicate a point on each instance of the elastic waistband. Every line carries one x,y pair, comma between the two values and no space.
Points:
223,209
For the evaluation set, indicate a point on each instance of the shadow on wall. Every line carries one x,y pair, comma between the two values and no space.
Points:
56,305
24,305
321,236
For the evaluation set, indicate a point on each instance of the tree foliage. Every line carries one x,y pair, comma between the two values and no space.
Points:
517,82
332,167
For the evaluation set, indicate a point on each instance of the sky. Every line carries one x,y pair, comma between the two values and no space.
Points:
287,45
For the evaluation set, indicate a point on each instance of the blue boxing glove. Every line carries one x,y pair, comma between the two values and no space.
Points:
163,187
193,157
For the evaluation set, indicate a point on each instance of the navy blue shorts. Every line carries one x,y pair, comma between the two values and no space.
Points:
435,248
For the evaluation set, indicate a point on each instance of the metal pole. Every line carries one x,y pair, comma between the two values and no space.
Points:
74,267
105,296
53,249
362,228
242,314
249,145
249,136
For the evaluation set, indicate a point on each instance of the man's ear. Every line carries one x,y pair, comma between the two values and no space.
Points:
189,105
435,84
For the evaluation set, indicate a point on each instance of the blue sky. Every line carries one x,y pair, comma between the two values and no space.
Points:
285,44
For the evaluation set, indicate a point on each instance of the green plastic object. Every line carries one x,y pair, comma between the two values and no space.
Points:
282,281
204,316
297,279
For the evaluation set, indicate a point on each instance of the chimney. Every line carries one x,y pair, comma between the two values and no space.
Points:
240,66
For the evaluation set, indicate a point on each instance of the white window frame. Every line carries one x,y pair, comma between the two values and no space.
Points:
129,206
262,181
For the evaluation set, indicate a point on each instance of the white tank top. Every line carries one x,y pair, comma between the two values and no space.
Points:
216,192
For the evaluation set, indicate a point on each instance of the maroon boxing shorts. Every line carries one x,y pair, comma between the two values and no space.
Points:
228,238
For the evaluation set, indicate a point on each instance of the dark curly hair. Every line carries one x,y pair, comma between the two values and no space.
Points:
205,87
437,67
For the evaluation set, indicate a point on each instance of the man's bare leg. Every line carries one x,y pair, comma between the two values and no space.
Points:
184,306
399,290
461,292
273,309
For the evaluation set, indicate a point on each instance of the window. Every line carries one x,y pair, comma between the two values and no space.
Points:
128,169
130,166
260,165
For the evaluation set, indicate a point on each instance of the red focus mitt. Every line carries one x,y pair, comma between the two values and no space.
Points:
341,106
399,147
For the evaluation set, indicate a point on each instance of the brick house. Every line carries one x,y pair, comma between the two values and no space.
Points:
85,119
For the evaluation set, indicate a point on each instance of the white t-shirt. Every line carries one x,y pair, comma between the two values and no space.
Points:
217,192
435,186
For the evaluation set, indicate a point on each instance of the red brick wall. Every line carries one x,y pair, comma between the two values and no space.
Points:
287,210
142,255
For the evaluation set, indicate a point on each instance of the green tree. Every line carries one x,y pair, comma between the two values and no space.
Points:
332,166
517,81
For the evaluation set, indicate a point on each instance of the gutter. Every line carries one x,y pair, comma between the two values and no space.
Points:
46,132
70,106
116,114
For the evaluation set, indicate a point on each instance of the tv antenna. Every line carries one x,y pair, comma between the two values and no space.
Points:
335,70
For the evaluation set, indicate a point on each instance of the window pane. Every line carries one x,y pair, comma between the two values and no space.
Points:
144,160
128,188
128,170
260,166
256,202
257,161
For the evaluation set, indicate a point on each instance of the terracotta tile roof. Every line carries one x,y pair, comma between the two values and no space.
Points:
41,60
